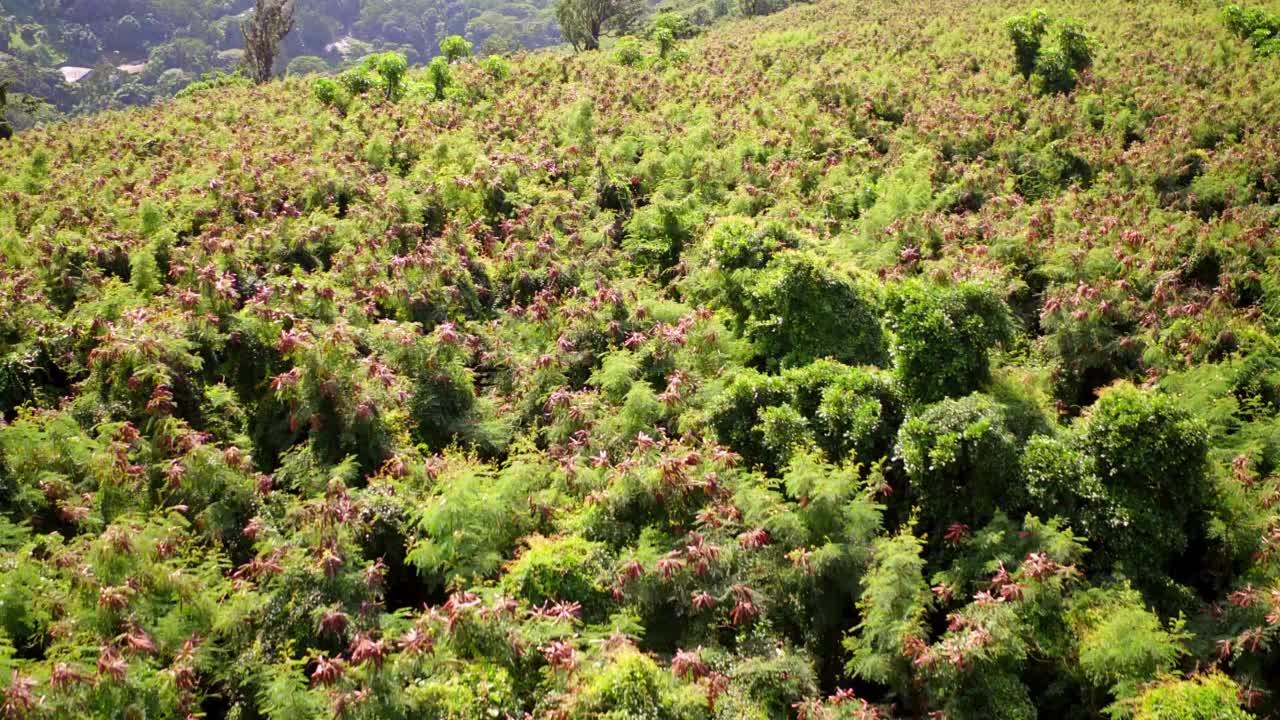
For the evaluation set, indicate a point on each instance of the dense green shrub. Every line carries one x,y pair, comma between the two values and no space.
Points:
854,412
776,683
474,690
628,51
1256,25
798,311
306,65
631,686
942,336
847,412
1052,69
472,521
455,48
1122,645
1150,455
1027,32
384,73
565,569
893,608
962,463
735,415
558,387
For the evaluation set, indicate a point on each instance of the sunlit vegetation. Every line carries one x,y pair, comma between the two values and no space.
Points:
857,360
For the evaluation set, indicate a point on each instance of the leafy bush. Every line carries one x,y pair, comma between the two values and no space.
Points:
855,412
673,22
1209,696
307,65
1027,32
1052,69
1256,25
1151,457
628,51
962,463
847,412
798,311
471,522
942,337
455,48
893,607
564,569
384,72
631,686
1122,644
439,74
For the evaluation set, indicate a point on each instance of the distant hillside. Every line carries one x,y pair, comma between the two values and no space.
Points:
87,55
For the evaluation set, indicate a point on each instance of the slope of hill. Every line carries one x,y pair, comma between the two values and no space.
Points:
823,366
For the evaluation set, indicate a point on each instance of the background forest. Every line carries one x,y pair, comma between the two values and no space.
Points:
865,359
142,50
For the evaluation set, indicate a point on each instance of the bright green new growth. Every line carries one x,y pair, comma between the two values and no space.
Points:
1256,25
455,48
1208,696
893,608
382,74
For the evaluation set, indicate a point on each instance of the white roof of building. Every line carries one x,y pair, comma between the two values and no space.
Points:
72,74
342,46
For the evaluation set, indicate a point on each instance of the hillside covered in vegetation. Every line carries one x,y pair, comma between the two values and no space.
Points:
864,360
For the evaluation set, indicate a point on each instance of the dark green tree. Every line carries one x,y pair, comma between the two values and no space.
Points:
6,130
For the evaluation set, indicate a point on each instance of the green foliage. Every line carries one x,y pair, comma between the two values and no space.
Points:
628,51
1052,69
1151,457
546,384
439,74
679,26
564,569
1255,25
472,521
893,606
497,67
582,22
798,311
475,690
455,48
962,462
775,683
383,74
1208,696
306,65
942,337
1027,33
1122,644
631,686
847,412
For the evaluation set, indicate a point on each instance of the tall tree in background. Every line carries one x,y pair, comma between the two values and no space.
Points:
583,21
6,131
263,31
